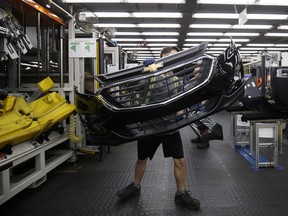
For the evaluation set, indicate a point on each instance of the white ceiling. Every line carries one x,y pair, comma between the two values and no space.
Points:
147,27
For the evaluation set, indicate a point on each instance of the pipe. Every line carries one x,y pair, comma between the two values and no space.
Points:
61,8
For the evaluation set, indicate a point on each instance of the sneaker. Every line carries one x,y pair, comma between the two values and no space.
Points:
202,145
129,191
186,200
196,140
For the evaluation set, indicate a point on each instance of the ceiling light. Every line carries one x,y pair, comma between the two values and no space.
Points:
161,39
162,45
252,48
240,34
236,16
205,34
281,45
252,26
114,14
190,45
223,45
127,33
143,48
216,15
127,1
244,52
138,14
128,39
148,33
160,33
283,27
277,48
263,45
156,15
126,44
245,2
234,39
277,34
224,26
148,52
216,48
200,39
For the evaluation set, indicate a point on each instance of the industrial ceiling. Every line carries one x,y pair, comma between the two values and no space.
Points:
148,25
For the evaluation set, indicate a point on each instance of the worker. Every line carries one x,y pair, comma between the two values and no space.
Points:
172,147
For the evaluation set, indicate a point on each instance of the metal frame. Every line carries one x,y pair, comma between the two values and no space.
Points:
23,153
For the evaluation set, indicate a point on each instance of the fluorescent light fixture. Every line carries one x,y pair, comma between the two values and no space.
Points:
127,33
158,25
138,14
142,48
234,39
135,48
156,15
224,45
236,16
285,27
215,15
252,48
161,44
161,39
277,34
245,2
221,45
277,48
252,26
281,45
112,14
127,44
244,52
129,39
216,48
190,44
241,34
127,1
145,52
148,33
160,33
213,26
205,34
200,39
262,45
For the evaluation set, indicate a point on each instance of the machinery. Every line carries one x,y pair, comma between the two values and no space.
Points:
12,37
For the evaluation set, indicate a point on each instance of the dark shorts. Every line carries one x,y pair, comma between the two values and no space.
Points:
171,144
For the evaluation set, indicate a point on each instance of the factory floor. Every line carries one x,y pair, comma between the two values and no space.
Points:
224,182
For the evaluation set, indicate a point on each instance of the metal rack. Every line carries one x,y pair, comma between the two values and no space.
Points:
36,161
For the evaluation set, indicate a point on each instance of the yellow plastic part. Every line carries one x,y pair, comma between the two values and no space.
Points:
26,121
46,84
7,104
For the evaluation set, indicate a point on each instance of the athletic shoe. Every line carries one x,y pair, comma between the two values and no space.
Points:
196,140
186,200
129,191
202,145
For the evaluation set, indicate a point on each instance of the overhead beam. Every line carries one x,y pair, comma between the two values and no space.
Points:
187,9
